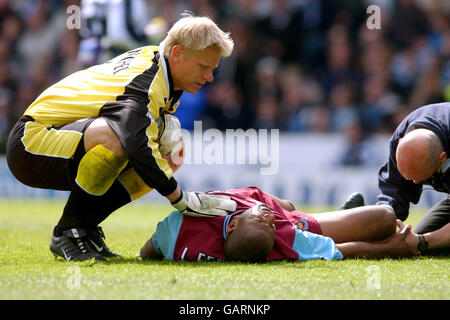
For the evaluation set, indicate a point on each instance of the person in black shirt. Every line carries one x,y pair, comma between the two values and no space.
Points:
417,157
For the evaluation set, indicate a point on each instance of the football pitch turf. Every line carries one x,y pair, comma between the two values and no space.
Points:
29,271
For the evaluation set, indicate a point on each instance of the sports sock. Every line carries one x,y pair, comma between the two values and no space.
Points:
128,187
86,211
98,169
102,207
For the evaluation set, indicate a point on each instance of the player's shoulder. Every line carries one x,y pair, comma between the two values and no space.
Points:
171,224
144,53
175,215
429,113
240,191
165,237
149,49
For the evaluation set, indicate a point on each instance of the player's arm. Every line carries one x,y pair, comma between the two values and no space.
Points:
138,134
259,195
436,239
147,160
439,238
284,203
148,252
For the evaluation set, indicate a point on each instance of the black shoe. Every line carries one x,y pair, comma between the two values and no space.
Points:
97,243
73,245
354,200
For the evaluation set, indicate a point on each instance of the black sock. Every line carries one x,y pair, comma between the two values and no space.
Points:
86,211
57,231
71,217
116,197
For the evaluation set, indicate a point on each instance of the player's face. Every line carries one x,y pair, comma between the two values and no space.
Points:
190,71
262,220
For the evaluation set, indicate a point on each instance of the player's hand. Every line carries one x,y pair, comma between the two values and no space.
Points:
403,243
169,134
199,204
175,159
410,238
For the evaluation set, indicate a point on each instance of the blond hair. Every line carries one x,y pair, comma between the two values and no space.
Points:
195,34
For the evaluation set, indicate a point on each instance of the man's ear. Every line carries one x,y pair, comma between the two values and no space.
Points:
443,156
176,53
232,225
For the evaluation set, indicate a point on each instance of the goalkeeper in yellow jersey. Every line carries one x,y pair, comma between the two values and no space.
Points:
96,134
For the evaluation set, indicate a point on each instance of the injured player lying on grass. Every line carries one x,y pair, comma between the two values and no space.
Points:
266,228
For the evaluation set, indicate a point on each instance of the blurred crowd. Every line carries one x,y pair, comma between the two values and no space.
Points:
298,65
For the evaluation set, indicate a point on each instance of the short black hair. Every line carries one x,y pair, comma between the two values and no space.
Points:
243,246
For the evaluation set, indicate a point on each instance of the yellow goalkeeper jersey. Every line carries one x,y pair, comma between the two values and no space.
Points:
130,92
138,74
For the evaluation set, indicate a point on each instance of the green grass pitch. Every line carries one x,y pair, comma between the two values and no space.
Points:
29,271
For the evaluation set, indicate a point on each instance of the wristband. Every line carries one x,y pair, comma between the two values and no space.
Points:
178,199
422,246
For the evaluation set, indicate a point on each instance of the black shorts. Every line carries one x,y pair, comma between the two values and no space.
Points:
46,157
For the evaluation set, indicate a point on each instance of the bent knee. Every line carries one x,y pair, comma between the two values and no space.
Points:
388,220
100,133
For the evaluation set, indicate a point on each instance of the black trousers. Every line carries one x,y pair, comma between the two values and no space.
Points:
436,218
82,210
38,170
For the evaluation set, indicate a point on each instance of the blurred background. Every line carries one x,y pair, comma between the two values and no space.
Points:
313,69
